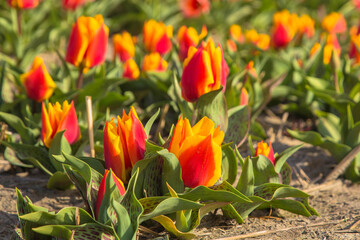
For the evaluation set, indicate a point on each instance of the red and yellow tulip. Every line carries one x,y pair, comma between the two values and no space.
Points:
244,97
154,62
38,83
188,37
131,70
72,4
58,118
23,4
285,26
194,8
265,150
332,46
205,70
306,26
236,33
88,42
198,149
101,192
156,37
334,23
260,40
124,46
124,144
355,44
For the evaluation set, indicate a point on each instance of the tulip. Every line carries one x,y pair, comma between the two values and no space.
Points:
38,83
189,37
355,44
284,29
236,33
124,144
58,118
72,4
154,62
194,8
244,97
261,41
251,70
231,45
265,150
156,37
88,42
205,70
334,23
131,70
306,25
198,150
315,49
101,192
23,4
332,45
123,46
357,4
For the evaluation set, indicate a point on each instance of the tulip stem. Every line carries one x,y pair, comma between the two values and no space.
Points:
18,15
80,79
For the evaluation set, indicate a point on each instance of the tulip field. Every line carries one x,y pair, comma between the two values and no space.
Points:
179,119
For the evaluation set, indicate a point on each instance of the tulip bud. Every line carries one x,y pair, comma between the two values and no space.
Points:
131,70
189,37
23,4
88,42
261,40
355,45
334,23
124,144
244,97
236,33
306,26
265,150
156,37
194,8
154,62
284,29
198,149
101,192
38,83
332,45
72,4
124,46
231,45
58,118
205,70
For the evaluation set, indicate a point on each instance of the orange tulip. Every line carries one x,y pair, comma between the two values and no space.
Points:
357,4
124,46
265,150
198,149
194,8
124,144
260,40
306,25
156,37
334,23
23,4
205,70
72,4
38,83
88,42
58,118
236,33
189,37
101,192
244,97
332,45
131,70
231,45
154,62
285,26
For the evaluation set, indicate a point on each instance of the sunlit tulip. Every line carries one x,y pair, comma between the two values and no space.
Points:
119,184
131,70
124,144
315,49
251,70
355,44
58,118
154,62
123,46
265,150
334,23
38,83
205,70
188,37
357,4
332,46
231,45
156,36
306,26
198,149
88,42
23,4
260,40
236,33
194,8
73,4
244,97
285,26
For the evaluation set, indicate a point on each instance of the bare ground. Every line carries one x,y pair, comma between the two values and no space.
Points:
338,202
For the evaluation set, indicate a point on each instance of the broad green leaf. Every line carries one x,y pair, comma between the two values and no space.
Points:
282,157
228,165
238,126
169,225
10,155
123,226
337,150
150,122
246,181
328,129
58,145
353,136
59,180
264,170
311,137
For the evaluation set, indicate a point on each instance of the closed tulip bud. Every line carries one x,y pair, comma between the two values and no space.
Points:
88,42
189,37
285,26
198,149
315,49
124,144
205,70
251,70
123,46
261,40
131,70
265,150
38,83
156,37
244,97
306,26
334,23
332,46
154,62
194,8
72,4
355,44
58,118
231,45
23,4
119,184
236,33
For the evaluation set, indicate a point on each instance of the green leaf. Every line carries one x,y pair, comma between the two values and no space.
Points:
311,137
213,106
10,155
264,170
246,181
169,225
228,165
58,145
123,226
238,126
150,122
337,150
184,106
328,129
282,157
59,180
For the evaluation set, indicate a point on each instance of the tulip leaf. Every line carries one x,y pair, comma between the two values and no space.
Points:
225,186
337,150
10,156
353,171
212,105
95,163
58,145
285,174
228,165
27,134
79,182
311,137
150,122
112,100
169,225
246,181
282,157
151,149
184,106
239,124
59,180
123,226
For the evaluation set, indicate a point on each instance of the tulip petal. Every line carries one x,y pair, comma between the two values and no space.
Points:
46,129
70,124
96,51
